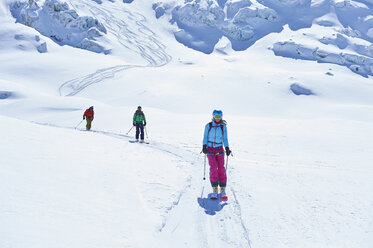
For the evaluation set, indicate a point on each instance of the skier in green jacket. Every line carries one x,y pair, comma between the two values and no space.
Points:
139,122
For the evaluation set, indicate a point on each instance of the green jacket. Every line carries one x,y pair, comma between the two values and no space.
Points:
139,117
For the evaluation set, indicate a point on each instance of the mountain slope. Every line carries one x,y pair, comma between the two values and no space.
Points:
301,171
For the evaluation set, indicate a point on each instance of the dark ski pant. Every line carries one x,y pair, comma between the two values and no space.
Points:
140,129
218,176
89,122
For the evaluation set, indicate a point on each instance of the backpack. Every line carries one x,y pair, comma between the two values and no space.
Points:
139,113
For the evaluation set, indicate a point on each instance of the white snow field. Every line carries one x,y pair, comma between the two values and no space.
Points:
294,81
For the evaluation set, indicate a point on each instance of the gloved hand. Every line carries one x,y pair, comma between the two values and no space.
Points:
204,149
227,151
134,124
144,124
83,117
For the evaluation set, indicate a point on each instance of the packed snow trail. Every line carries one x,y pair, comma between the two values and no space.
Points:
131,32
217,223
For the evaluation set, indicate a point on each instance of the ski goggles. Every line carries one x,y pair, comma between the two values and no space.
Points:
217,116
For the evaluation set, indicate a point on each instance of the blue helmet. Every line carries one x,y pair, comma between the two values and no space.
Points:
91,107
138,106
217,114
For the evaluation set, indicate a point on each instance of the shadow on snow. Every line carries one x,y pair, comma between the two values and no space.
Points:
211,206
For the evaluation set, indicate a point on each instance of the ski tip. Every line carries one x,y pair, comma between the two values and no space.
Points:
224,198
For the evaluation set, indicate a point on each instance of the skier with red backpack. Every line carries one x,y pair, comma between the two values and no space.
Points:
89,115
214,138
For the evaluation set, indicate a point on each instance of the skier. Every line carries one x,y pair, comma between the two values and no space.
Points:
140,122
89,114
214,138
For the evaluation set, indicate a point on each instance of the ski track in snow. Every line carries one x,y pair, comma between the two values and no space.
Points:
142,41
218,224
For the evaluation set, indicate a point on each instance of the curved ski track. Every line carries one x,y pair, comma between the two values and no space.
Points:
224,229
136,37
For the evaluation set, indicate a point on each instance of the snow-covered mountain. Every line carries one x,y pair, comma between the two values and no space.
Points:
294,81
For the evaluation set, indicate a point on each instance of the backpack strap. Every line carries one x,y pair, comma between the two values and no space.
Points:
210,126
221,126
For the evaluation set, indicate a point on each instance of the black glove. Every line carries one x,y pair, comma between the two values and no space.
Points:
83,117
134,124
204,149
144,124
227,151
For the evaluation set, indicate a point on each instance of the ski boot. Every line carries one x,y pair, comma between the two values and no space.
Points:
214,194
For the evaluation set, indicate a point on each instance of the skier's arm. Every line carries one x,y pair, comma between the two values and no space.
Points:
134,118
225,136
205,136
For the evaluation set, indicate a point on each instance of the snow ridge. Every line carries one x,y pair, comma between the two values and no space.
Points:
356,63
55,19
202,23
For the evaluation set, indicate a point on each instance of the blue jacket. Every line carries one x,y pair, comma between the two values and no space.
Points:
215,138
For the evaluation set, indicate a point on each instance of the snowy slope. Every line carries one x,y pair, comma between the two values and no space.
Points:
301,171
84,197
96,189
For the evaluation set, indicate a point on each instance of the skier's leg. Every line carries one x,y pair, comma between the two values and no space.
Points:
89,122
221,171
214,177
213,170
137,130
222,177
142,131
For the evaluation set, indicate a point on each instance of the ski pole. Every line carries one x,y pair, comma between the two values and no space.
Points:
79,124
129,130
204,168
146,132
226,164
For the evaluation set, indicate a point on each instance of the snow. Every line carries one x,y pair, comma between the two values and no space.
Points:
64,24
294,81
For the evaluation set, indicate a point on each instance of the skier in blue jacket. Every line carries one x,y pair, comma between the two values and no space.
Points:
214,138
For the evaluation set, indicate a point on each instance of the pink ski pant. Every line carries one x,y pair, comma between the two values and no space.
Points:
217,170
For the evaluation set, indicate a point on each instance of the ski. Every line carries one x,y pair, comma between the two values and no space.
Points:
222,198
135,141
